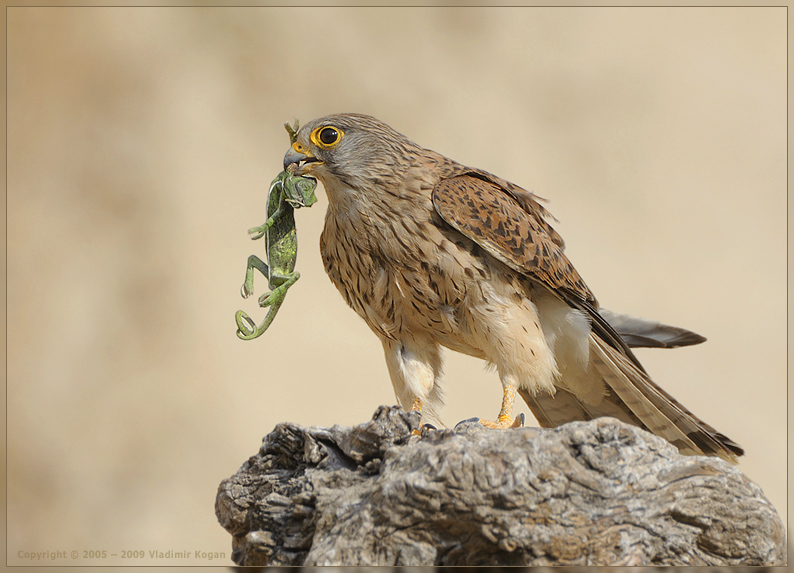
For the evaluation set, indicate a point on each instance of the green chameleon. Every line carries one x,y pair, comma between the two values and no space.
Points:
287,193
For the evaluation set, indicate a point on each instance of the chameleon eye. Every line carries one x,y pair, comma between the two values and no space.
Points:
326,136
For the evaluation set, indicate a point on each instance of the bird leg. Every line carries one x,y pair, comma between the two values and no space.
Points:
505,419
416,406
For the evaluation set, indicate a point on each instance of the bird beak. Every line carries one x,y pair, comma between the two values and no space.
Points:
301,157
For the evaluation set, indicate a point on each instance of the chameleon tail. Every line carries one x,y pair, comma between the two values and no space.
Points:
247,328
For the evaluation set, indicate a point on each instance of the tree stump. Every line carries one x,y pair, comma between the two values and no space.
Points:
586,493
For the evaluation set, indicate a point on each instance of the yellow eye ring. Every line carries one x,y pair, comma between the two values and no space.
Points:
326,136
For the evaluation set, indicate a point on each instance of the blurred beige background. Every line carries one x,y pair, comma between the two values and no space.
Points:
140,145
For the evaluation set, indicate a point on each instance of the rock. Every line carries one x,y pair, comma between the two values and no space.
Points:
586,493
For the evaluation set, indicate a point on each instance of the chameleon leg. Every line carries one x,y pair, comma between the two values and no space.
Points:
246,328
254,262
259,232
276,296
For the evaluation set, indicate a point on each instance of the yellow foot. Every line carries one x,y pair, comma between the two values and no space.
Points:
504,422
423,429
416,406
505,419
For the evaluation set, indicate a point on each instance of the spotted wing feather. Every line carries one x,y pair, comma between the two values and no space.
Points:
511,226
494,219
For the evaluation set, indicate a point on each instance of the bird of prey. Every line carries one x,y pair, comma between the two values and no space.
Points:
431,253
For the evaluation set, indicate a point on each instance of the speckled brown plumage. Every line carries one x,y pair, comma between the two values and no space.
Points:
431,253
481,210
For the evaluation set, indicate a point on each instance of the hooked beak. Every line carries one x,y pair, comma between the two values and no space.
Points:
301,158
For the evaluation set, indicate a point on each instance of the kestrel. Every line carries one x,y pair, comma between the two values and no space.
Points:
432,253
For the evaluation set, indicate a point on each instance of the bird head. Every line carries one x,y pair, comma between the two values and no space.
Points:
346,148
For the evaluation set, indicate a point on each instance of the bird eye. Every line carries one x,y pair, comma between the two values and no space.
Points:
327,136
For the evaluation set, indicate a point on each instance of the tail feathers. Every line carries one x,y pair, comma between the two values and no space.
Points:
552,411
639,332
632,397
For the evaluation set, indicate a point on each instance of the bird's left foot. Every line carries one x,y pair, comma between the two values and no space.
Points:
504,422
505,419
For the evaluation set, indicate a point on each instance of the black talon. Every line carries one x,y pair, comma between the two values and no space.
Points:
477,420
424,429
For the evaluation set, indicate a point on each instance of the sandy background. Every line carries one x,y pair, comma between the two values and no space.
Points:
140,145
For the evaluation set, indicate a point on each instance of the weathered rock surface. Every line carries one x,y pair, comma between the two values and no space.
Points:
586,493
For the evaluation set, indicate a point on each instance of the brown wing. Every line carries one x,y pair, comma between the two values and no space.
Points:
516,233
506,222
490,216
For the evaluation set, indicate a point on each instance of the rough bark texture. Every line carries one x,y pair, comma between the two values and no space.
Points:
586,493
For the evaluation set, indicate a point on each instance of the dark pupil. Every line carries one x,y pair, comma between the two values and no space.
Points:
328,135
